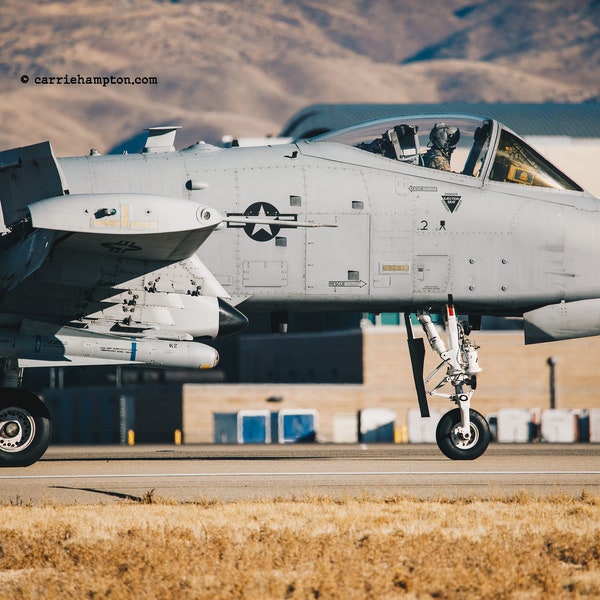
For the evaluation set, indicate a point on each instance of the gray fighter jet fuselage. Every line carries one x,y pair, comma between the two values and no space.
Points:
405,236
349,221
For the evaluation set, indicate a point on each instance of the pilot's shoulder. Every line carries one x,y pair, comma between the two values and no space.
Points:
436,161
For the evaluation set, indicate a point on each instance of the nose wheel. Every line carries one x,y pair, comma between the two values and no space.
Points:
462,433
458,444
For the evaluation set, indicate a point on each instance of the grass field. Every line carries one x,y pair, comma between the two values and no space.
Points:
520,547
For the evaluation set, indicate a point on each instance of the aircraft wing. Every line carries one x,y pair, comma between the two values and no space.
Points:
102,278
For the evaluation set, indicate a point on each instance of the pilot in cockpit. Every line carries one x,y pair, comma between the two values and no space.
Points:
442,142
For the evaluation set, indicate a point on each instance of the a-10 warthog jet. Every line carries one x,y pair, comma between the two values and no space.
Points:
135,258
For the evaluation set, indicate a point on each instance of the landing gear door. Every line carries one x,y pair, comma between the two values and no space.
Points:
337,258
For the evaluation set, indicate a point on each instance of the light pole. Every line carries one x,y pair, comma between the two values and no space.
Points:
552,362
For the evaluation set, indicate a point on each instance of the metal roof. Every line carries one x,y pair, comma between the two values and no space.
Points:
571,120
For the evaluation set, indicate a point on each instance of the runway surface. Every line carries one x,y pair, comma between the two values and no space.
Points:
88,475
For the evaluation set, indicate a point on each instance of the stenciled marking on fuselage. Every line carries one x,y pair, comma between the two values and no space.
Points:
422,188
349,283
451,201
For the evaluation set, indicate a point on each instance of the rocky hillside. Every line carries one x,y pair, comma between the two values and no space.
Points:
245,67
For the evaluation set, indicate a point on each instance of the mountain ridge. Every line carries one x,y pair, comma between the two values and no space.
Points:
245,67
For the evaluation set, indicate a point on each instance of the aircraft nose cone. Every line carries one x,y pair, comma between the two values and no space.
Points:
231,320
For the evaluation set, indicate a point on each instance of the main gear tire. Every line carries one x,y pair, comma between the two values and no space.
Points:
25,428
452,443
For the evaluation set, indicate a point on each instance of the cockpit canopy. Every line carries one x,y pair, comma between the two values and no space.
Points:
468,143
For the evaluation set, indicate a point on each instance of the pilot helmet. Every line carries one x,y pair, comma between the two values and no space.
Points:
444,137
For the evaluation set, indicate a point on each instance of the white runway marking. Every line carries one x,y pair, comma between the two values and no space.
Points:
294,474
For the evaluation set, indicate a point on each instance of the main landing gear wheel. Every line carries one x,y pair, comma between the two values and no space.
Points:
455,445
25,428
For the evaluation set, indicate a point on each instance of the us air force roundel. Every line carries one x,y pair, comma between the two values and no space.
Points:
451,201
261,232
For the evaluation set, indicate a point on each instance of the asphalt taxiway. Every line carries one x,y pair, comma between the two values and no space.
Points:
88,475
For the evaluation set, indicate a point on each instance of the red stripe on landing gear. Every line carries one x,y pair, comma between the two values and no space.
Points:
451,311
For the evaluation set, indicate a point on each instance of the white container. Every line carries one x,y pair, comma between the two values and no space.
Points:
345,428
376,425
514,425
594,425
559,426
421,430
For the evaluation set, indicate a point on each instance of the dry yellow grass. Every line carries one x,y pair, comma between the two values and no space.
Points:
520,547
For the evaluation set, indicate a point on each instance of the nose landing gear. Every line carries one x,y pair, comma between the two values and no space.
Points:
462,433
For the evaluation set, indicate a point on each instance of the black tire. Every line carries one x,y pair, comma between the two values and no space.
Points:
25,428
456,448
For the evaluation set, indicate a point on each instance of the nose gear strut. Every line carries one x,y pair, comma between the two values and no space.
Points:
462,433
